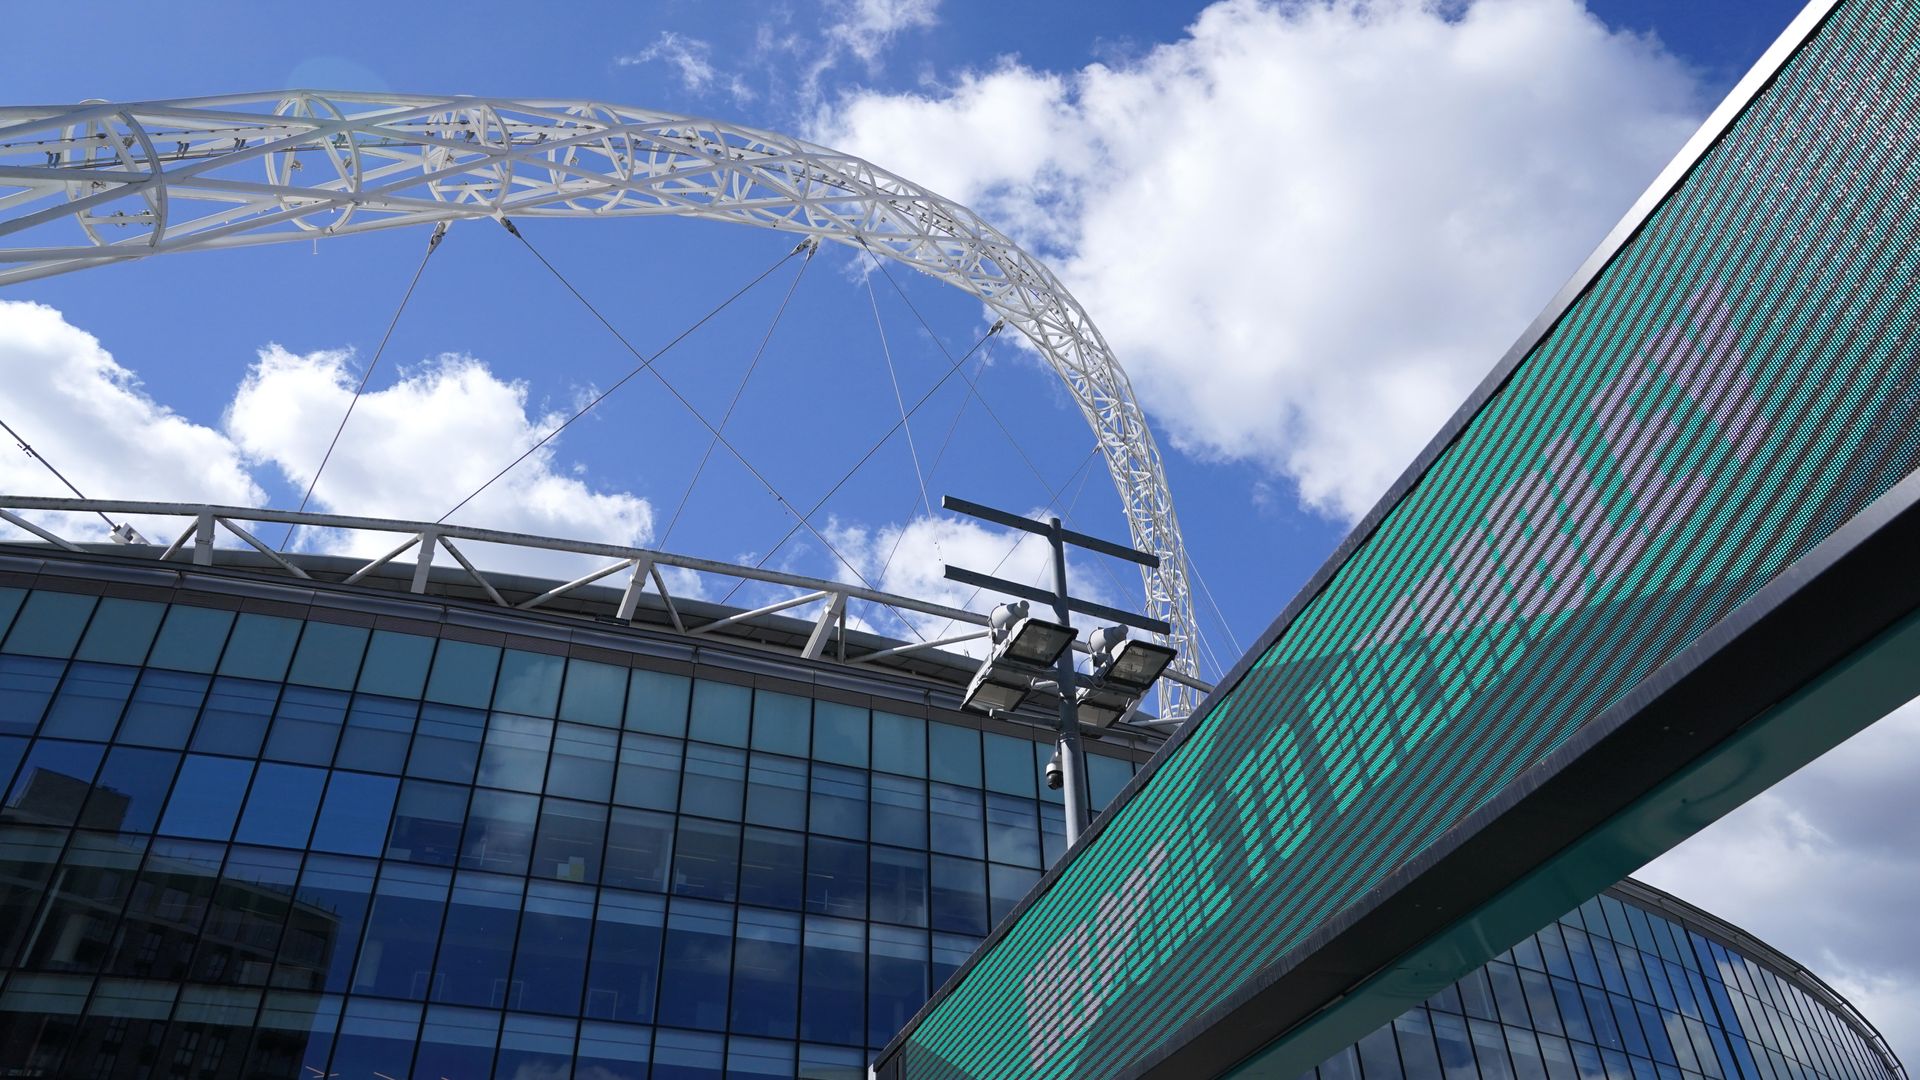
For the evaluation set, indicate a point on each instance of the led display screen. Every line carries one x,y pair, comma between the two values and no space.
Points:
1737,380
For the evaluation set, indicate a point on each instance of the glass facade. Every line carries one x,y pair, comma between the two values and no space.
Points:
263,843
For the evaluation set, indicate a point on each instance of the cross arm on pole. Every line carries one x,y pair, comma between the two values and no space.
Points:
1039,528
1043,596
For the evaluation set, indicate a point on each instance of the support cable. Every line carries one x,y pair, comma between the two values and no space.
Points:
894,377
433,245
27,449
965,400
1208,593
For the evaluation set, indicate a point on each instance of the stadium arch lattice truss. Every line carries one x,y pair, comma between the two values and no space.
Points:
97,183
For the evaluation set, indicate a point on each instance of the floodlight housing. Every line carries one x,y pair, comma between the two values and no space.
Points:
992,691
1097,707
1135,665
1035,641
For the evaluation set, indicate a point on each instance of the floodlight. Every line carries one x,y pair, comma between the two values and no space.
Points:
1035,641
985,694
1095,707
1134,665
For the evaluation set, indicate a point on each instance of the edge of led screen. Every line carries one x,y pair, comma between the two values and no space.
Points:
1613,553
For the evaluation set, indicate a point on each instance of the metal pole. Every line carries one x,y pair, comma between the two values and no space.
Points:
1073,773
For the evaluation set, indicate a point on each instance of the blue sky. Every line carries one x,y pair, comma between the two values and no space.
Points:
1307,230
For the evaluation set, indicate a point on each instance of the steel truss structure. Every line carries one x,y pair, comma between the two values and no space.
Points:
98,183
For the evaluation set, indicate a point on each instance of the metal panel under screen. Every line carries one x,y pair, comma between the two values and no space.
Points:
1681,458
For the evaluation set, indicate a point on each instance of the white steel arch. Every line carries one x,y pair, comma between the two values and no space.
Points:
97,183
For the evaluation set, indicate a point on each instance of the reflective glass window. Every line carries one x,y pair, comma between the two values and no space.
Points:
294,1035
323,929
953,754
1456,1050
1006,887
163,916
1418,1058
515,753
613,1052
49,624
446,745
457,1042
191,639
1490,1050
840,733
720,712
1105,777
1509,999
499,833
950,951
355,814
234,720
1540,1004
476,944
687,1055
249,910
1524,1050
759,1059
261,647
10,601
52,783
594,693
463,674
777,791
376,1038
1573,1011
959,895
838,802
695,966
1477,996
329,656
569,841
899,811
26,685
766,973
395,665
833,981
772,867
715,781
899,884
1379,1056
657,702
583,760
281,806
706,859
896,979
529,683
639,849
120,632
39,1015
1013,831
134,1011
131,789
1053,833
12,749
27,857
535,1046
1009,764
899,744
403,926
76,929
958,821
426,823
306,725
163,708
625,968
649,772
550,959
782,723
378,732
836,877
206,797
90,700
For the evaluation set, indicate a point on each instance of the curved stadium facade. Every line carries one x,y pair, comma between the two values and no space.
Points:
264,821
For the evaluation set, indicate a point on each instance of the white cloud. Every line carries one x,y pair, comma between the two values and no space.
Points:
94,421
1307,228
1824,867
867,27
692,59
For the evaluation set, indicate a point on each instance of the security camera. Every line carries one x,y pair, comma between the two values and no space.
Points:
1056,775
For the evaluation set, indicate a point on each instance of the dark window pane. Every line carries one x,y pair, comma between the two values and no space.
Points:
706,859
206,797
235,718
715,781
950,951
447,743
90,700
1009,765
499,835
49,624
782,723
131,789
377,733
1456,1052
900,886
1105,777
1053,832
403,924
476,945
295,1035
306,725
838,806
261,647
583,759
639,849
26,684
1490,1050
569,841
10,601
27,857
163,916
953,754
1508,998
249,910
355,815
614,1052
899,744
191,639
657,702
759,1059
281,806
836,877
899,811
396,665
896,980
766,973
840,733
595,693
686,1055
535,1046
1013,831
959,895
695,965
52,783
12,749
1006,887
426,823
649,773
515,753
626,957
957,821
456,1042
772,868
529,683
376,1038
134,1013
329,656
550,960
121,631
833,982
163,709
777,791
1379,1057
720,712
77,927
323,930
